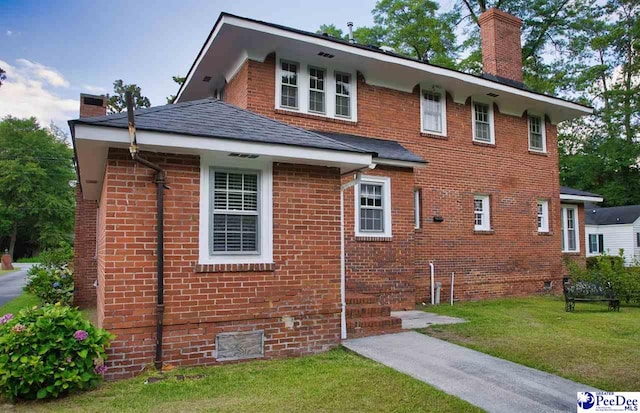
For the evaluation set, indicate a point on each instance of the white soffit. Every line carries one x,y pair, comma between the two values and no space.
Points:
234,40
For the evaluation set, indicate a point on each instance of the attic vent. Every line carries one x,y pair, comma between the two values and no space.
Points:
243,155
87,100
493,95
327,55
206,78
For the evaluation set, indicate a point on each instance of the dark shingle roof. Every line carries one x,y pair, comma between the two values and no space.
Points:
570,191
612,215
216,119
385,149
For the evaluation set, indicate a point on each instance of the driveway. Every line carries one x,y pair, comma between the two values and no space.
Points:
493,384
11,284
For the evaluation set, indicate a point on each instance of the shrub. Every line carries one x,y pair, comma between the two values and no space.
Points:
47,352
610,272
57,257
50,284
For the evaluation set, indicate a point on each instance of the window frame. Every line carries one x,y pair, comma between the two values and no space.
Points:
443,110
545,215
637,239
486,212
323,91
492,133
280,71
599,243
565,230
303,96
385,182
417,208
543,127
209,162
337,73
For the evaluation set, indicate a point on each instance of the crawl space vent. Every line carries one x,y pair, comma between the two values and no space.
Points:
240,345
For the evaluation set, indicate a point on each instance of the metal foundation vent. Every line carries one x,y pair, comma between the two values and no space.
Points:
240,345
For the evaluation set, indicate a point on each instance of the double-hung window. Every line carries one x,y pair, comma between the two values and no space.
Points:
343,95
543,216
596,243
235,212
434,118
316,90
537,134
373,207
483,122
570,241
482,216
289,89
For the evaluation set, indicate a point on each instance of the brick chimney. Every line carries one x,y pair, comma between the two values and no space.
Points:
92,105
501,49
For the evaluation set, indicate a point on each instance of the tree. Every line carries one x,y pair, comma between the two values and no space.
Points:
36,200
180,81
117,102
3,75
333,31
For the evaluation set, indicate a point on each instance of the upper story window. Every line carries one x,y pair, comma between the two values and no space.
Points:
343,95
316,87
569,215
483,128
373,207
482,216
434,112
289,82
537,138
543,216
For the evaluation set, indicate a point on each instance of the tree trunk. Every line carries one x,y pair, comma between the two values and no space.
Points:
14,237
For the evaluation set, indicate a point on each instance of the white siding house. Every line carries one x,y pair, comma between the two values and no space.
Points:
609,230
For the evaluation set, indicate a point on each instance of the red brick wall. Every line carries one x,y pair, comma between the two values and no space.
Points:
236,91
84,260
303,284
512,260
501,50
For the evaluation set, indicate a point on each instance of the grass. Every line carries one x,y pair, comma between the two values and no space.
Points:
334,381
592,345
22,301
28,260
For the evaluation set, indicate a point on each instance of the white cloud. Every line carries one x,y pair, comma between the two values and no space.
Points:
96,90
9,33
48,74
27,92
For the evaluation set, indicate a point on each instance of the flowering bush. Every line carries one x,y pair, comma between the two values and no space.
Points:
50,284
46,352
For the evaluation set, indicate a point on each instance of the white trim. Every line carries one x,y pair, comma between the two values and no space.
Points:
171,140
236,68
580,198
563,223
443,107
545,215
386,206
486,212
402,164
492,126
439,71
543,131
265,256
304,65
416,208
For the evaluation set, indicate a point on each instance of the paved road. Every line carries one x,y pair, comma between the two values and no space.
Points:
11,284
493,384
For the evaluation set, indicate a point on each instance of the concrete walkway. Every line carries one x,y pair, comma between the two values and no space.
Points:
490,383
11,284
420,319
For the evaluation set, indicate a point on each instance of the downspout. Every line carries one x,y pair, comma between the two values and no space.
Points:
432,271
160,186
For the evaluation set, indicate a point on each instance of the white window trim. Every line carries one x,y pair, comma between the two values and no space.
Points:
545,215
265,255
492,127
324,91
297,86
486,213
443,103
386,205
330,87
351,104
543,129
416,208
565,231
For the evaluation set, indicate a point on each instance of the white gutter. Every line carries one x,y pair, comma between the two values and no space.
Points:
580,198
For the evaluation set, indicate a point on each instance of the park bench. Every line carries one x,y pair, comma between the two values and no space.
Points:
582,291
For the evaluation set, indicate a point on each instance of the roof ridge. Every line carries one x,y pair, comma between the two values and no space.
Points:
145,111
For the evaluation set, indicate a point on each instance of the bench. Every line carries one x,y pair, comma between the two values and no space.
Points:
588,292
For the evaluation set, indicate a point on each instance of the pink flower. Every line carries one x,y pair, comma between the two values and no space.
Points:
5,318
18,328
80,335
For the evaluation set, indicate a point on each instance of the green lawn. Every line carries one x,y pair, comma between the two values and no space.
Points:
591,345
18,303
337,381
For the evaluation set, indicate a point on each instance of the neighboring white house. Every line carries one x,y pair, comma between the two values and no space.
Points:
612,229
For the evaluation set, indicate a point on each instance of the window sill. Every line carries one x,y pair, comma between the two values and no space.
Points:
362,238
434,136
577,253
483,231
343,121
263,267
485,144
539,153
545,233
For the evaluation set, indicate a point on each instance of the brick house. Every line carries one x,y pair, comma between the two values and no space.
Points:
312,185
